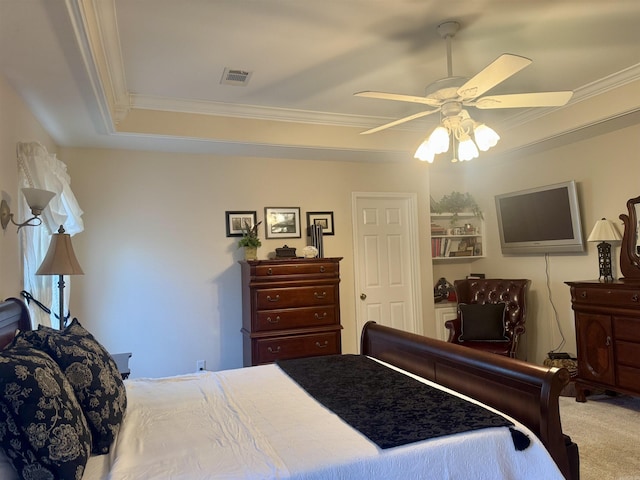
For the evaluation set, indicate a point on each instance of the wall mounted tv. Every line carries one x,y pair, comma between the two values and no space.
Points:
540,220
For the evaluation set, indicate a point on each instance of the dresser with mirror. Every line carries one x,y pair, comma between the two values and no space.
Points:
607,319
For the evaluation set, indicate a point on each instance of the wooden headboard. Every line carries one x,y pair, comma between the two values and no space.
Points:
14,316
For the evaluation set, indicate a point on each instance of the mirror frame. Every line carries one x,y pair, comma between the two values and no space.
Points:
629,258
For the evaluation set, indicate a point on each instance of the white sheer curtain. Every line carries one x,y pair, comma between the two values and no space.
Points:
37,168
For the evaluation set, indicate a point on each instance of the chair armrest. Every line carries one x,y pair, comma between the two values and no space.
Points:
454,326
518,330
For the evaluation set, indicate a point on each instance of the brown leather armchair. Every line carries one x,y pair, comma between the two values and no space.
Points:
493,290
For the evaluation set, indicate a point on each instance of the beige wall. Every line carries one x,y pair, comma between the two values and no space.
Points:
16,124
606,169
161,277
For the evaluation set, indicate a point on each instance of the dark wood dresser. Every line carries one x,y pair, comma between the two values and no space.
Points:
607,316
290,309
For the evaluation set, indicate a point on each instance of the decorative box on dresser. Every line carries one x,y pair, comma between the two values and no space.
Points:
607,316
290,309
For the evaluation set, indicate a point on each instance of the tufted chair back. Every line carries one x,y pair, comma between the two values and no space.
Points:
512,292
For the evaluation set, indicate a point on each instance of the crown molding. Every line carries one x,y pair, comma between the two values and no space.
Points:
97,35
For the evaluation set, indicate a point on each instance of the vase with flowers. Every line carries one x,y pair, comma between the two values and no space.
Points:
250,241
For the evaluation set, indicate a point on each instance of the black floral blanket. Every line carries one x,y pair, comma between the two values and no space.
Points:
388,407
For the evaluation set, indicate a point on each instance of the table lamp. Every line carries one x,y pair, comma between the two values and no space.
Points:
604,231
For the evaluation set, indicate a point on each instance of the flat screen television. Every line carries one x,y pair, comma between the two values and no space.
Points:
540,220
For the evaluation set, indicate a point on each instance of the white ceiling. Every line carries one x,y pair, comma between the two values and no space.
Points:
145,74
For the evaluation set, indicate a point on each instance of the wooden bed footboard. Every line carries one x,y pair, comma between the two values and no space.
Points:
526,392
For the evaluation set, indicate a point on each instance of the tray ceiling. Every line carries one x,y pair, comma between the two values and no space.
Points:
148,74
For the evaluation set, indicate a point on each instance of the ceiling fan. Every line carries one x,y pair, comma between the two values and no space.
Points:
449,95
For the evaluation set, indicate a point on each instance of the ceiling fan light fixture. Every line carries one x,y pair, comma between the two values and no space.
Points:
450,96
486,137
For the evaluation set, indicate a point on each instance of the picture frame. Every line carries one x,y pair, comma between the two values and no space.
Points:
235,220
282,222
321,218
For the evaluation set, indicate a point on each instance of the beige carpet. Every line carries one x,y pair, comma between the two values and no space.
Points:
607,431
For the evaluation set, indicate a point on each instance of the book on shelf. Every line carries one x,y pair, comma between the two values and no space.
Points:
444,247
461,253
438,229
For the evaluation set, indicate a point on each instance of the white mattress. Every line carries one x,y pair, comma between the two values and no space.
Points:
257,423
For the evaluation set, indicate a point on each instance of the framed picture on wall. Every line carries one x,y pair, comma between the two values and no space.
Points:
236,220
282,222
324,219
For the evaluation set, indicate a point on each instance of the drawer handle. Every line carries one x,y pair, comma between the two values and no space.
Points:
274,350
274,299
608,342
269,272
321,268
320,295
583,294
271,320
634,298
323,345
318,316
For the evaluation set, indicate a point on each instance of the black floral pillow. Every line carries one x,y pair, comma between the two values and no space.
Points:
93,374
42,428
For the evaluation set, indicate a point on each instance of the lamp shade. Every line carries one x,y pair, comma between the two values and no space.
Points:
439,140
486,137
37,199
60,258
424,152
467,149
604,231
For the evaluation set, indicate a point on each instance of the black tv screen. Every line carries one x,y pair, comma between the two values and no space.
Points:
540,220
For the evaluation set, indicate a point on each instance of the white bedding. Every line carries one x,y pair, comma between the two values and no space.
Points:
257,423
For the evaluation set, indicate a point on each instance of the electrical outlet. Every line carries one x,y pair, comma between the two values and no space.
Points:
201,365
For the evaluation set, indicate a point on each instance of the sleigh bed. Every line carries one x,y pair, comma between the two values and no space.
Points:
278,421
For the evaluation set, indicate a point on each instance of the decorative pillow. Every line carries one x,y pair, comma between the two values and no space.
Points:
93,374
482,322
42,428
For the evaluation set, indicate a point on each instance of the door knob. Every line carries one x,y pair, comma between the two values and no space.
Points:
363,296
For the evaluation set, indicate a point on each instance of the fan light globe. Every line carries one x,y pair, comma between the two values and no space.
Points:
486,137
439,140
467,150
424,152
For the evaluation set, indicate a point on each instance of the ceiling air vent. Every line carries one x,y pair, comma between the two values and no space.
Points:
236,77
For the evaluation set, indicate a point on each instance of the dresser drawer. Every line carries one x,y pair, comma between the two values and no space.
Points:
294,318
629,377
606,296
304,268
281,348
628,353
626,328
275,298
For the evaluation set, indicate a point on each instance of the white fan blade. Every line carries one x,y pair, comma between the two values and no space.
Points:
398,122
496,72
524,100
399,97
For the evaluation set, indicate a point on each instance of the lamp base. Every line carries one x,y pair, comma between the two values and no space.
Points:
604,261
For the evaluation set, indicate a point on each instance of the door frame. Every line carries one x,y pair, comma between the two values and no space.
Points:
411,201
